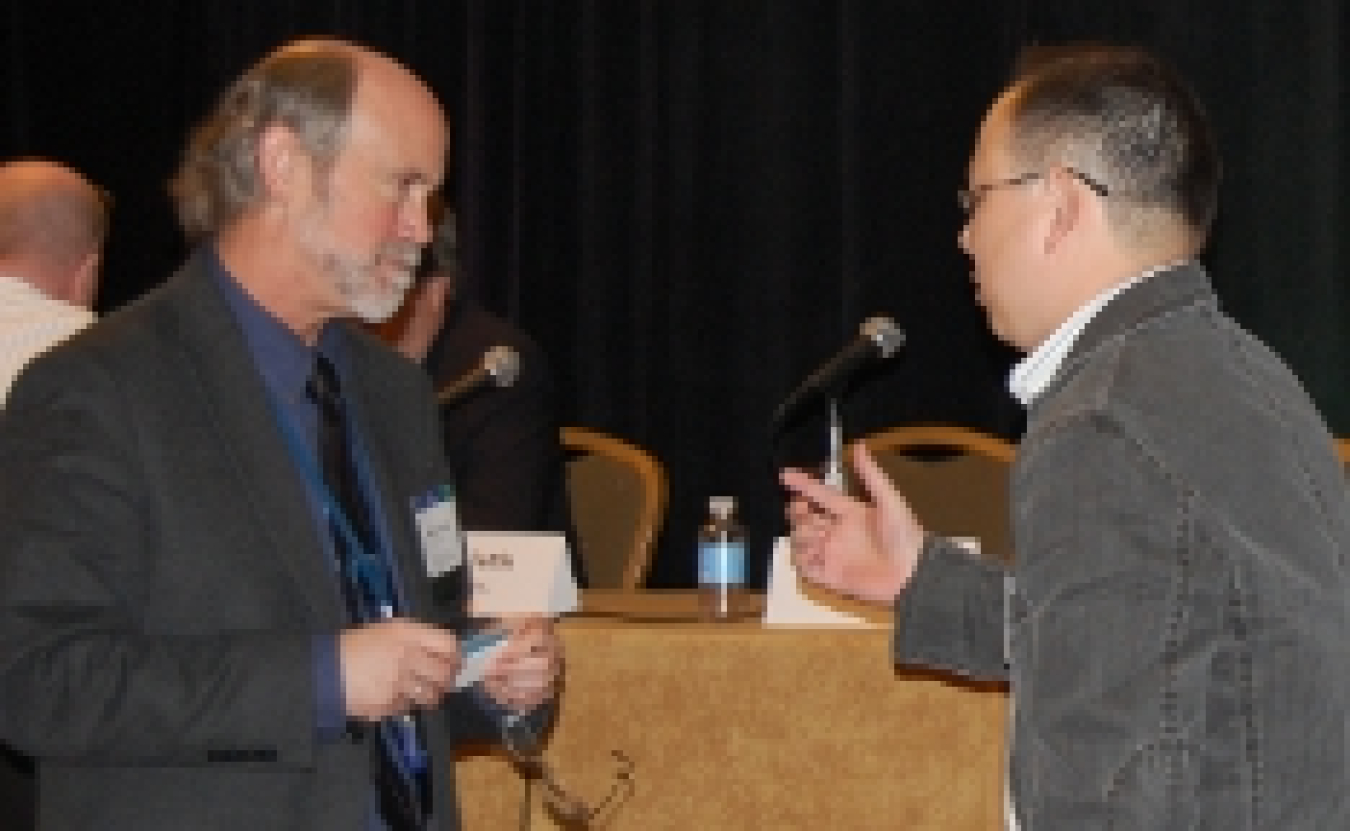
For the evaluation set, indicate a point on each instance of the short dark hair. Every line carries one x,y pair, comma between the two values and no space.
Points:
307,87
1125,119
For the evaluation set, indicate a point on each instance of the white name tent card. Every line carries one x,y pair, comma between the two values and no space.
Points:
517,573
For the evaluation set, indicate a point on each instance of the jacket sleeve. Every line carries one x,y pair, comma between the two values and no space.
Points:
951,616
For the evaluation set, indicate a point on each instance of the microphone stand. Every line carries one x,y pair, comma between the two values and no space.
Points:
834,467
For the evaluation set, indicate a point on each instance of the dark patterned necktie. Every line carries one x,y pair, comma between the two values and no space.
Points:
402,773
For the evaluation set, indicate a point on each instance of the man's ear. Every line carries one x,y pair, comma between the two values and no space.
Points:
1069,208
84,282
281,162
74,280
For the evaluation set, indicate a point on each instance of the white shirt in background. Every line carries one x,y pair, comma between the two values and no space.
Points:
30,324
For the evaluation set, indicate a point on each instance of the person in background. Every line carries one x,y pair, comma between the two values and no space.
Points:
1174,627
52,225
228,597
53,222
503,444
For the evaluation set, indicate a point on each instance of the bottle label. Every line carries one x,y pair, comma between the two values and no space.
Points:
721,563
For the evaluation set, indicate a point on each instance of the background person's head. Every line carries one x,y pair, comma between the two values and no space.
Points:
1095,164
413,329
53,223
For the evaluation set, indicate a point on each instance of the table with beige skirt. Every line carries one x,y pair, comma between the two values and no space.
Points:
737,726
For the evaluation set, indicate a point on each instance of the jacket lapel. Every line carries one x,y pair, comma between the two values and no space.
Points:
246,429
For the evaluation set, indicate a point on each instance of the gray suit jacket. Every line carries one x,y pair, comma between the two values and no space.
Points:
1176,629
162,580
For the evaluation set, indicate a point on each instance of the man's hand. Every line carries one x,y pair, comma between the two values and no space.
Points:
865,549
394,666
525,673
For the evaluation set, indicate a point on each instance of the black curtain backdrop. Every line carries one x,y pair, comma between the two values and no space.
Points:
692,203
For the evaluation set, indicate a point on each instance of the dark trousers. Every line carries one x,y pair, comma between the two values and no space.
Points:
18,791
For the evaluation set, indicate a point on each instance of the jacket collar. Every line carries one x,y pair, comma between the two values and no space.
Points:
1183,286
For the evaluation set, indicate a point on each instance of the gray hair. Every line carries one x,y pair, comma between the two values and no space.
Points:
307,87
1128,121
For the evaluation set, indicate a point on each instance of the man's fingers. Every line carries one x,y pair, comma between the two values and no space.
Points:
877,483
874,479
822,497
429,662
420,695
432,677
524,681
529,675
434,640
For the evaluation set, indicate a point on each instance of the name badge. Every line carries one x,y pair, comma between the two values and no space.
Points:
520,574
438,528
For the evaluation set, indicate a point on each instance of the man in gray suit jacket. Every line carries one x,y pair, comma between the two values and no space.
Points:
1174,628
175,648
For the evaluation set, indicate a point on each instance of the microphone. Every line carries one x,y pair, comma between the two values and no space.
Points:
499,368
878,337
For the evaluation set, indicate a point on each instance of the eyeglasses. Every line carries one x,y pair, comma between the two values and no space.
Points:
969,199
573,812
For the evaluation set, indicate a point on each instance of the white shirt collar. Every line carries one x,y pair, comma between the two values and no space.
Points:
1035,372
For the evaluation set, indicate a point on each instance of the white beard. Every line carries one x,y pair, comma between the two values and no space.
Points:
359,283
366,298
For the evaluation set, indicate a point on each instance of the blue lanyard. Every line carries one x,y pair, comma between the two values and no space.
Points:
370,574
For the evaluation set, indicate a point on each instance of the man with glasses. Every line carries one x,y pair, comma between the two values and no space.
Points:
1174,627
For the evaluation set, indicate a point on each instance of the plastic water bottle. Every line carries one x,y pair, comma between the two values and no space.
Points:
721,560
